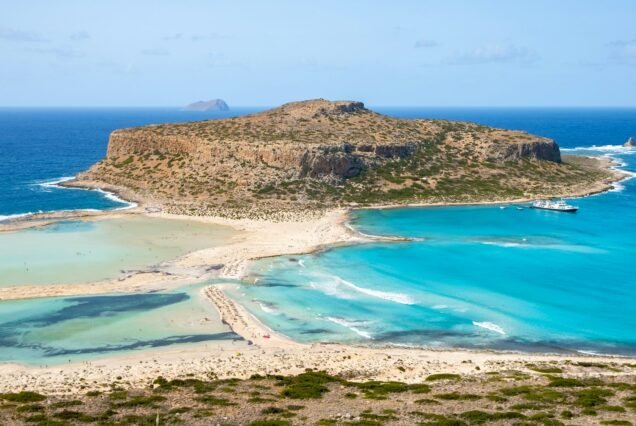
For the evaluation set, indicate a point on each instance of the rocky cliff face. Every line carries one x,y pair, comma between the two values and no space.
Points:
545,150
323,152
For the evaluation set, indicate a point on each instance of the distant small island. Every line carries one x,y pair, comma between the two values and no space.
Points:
211,105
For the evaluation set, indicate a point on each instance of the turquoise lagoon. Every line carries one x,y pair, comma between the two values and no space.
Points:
476,277
68,329
58,330
91,250
503,277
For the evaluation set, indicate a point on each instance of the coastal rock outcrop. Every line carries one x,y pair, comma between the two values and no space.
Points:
631,143
538,150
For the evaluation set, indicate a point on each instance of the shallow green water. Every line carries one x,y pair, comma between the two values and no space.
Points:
82,251
62,329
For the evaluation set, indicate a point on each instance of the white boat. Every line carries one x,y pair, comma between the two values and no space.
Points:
557,206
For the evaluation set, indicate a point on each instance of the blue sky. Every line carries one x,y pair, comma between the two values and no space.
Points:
433,53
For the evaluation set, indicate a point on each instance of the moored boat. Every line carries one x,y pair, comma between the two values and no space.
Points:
558,206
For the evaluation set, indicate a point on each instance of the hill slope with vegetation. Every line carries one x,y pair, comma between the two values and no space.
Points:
317,153
540,395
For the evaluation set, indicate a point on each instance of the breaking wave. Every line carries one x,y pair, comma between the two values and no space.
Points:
268,308
14,216
352,325
489,326
617,149
55,184
333,286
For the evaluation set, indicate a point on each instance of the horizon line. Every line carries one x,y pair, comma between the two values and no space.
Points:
181,107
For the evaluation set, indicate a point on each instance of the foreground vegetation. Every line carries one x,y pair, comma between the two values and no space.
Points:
548,397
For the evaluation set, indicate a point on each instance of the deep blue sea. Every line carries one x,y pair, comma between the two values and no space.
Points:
39,147
488,276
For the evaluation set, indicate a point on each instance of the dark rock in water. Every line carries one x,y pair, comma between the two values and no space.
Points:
211,105
630,143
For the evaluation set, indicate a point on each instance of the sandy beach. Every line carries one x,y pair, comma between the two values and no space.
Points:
258,239
277,354
263,351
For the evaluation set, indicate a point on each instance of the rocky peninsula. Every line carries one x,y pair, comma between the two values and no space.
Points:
319,154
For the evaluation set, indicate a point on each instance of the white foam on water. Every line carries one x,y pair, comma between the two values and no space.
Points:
440,307
113,197
618,149
595,353
14,216
351,325
618,185
561,247
333,285
502,244
53,183
268,309
301,263
392,297
610,151
18,215
587,352
489,326
330,288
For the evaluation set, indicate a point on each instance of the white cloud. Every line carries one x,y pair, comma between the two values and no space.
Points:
423,44
624,51
203,37
9,34
155,52
492,55
80,36
192,37
172,37
58,52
